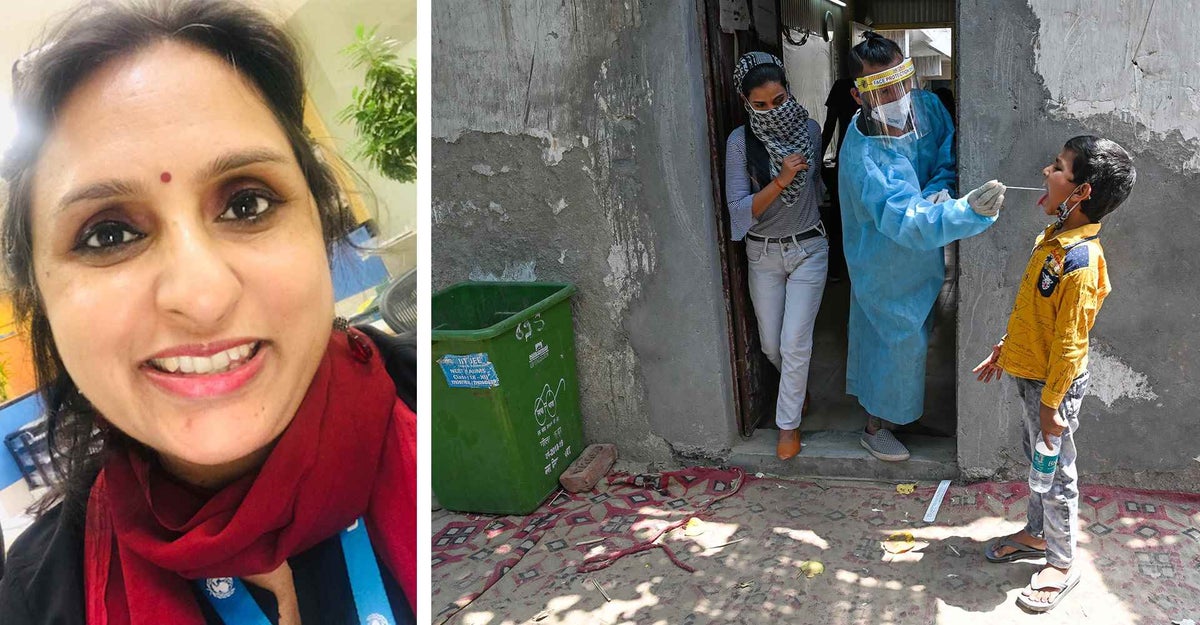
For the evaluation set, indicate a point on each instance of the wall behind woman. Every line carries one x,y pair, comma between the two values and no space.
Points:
324,28
570,143
1032,75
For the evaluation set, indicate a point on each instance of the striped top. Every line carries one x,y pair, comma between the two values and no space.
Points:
779,220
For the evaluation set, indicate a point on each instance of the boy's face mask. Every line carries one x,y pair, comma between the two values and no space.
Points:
1064,211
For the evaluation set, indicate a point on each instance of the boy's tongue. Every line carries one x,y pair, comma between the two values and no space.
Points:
1043,200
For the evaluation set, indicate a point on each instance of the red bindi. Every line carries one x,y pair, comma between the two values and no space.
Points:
165,177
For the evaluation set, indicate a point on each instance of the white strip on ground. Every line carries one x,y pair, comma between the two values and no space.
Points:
931,513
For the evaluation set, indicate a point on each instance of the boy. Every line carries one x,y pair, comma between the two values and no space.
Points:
1046,349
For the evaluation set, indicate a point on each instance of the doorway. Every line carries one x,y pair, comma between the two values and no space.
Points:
812,37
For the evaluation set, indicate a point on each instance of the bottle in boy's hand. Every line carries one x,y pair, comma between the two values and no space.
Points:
1041,470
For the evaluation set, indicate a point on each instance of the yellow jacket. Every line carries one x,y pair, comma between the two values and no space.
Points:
1064,285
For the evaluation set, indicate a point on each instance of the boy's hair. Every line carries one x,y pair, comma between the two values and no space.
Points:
874,49
1107,167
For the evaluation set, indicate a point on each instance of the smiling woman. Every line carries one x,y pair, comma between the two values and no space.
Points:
169,227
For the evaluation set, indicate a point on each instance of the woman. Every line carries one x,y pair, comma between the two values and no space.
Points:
773,200
229,454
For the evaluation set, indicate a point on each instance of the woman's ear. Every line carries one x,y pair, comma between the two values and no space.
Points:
857,97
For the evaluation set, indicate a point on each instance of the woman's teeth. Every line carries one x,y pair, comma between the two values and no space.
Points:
217,363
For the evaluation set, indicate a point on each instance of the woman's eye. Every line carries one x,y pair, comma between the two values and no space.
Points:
109,234
247,206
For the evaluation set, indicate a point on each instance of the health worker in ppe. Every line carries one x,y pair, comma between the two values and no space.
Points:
896,182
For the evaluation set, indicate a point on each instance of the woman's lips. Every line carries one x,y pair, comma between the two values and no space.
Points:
198,377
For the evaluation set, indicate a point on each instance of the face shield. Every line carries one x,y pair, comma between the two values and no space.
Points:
889,111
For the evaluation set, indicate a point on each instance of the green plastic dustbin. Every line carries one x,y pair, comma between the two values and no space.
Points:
505,394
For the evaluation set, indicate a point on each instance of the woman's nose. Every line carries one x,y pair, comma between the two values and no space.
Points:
197,284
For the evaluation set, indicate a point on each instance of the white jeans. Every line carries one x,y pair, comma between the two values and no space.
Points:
787,281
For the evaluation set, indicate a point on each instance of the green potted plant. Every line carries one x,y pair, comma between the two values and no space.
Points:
384,109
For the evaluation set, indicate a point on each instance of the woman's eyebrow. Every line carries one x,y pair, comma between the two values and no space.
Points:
237,159
227,162
100,191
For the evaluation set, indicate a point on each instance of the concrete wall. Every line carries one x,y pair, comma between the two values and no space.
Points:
570,143
1033,74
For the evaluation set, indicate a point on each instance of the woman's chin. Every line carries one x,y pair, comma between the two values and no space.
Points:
218,455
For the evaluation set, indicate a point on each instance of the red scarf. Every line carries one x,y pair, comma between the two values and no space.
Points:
350,451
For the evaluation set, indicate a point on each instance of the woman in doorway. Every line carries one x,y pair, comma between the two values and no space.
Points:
773,196
231,452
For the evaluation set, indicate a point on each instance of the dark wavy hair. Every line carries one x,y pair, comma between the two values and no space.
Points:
92,35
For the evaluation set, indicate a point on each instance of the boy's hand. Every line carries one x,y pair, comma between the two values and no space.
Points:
989,369
1052,424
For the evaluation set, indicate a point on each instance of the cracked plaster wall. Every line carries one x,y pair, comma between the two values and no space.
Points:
1034,73
570,143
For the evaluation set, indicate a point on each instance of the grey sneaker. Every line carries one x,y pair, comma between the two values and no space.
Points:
883,445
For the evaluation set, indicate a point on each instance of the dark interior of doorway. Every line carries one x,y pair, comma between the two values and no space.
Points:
831,409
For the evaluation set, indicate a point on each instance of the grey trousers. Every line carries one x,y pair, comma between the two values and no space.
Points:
787,282
1054,515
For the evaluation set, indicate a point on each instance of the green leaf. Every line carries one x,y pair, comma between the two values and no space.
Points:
384,109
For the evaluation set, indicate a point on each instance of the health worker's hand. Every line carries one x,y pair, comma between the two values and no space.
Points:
988,199
939,197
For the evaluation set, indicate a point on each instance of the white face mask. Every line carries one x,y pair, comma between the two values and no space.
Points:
894,114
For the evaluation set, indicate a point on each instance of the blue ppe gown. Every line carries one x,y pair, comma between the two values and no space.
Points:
893,243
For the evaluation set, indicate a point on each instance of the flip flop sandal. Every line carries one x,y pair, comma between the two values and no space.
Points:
1063,588
1023,552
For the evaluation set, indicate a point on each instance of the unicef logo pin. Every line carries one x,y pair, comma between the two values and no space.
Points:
377,619
220,587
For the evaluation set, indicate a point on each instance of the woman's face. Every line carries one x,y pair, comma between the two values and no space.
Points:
179,256
767,96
